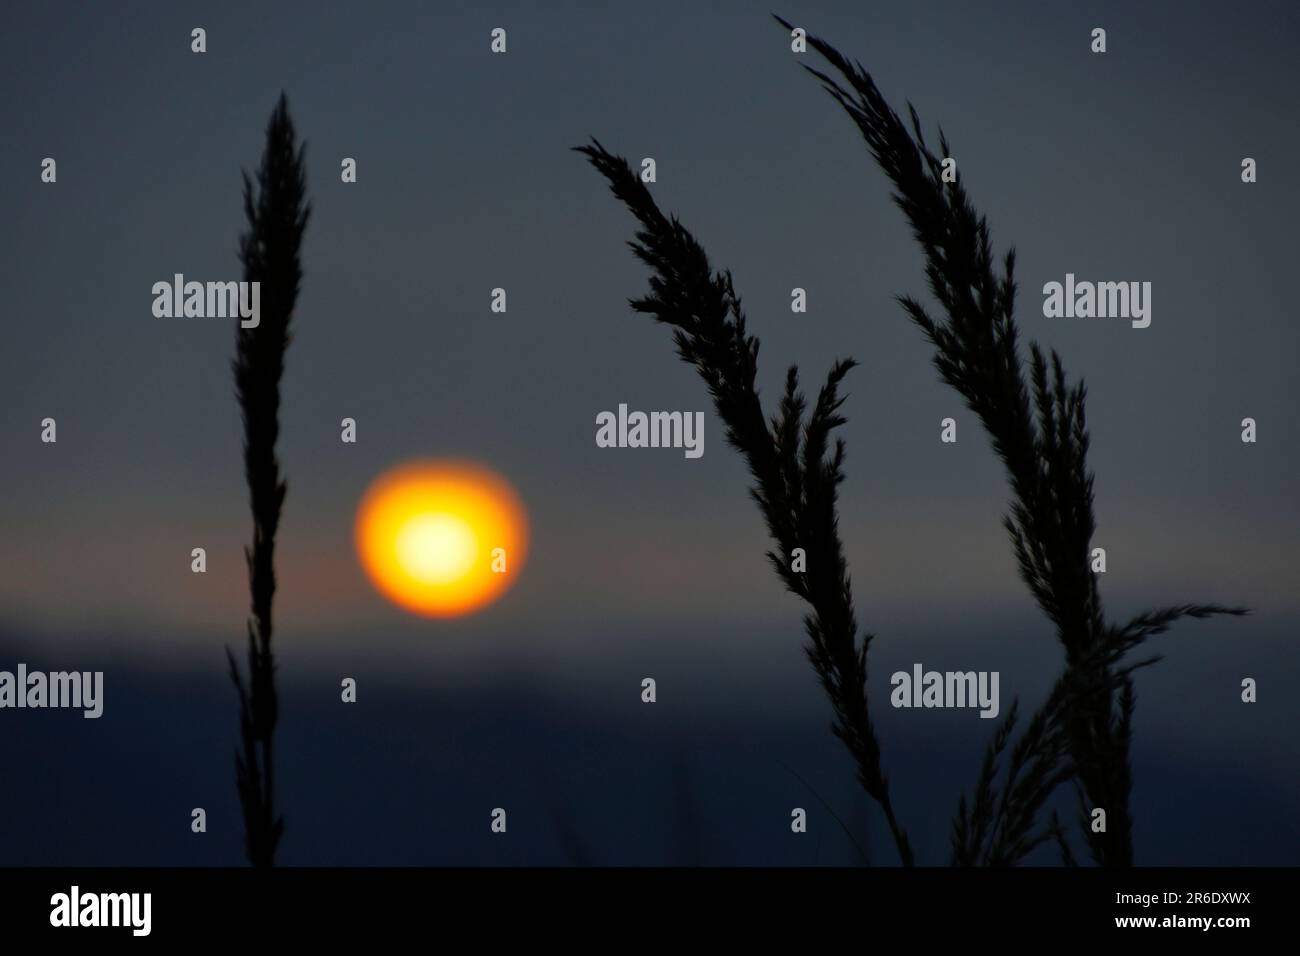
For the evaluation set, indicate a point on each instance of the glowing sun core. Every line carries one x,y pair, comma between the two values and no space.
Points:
441,538
436,548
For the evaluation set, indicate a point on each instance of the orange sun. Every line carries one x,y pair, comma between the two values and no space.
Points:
441,538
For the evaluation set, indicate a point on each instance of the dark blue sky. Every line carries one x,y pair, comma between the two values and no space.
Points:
1116,167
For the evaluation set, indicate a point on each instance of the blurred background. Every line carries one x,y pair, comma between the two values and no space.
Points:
1123,166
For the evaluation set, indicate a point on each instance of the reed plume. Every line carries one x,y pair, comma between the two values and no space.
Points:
1038,429
277,212
796,470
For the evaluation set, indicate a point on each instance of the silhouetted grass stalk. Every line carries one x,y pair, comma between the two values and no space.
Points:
1085,727
277,214
796,475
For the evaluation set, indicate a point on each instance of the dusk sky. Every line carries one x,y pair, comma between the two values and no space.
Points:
643,562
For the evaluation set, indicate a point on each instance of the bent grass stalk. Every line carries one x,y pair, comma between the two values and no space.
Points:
796,472
1038,429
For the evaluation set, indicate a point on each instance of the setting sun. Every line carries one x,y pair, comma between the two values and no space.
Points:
441,538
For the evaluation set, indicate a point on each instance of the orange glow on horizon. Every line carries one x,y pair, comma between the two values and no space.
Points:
427,534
